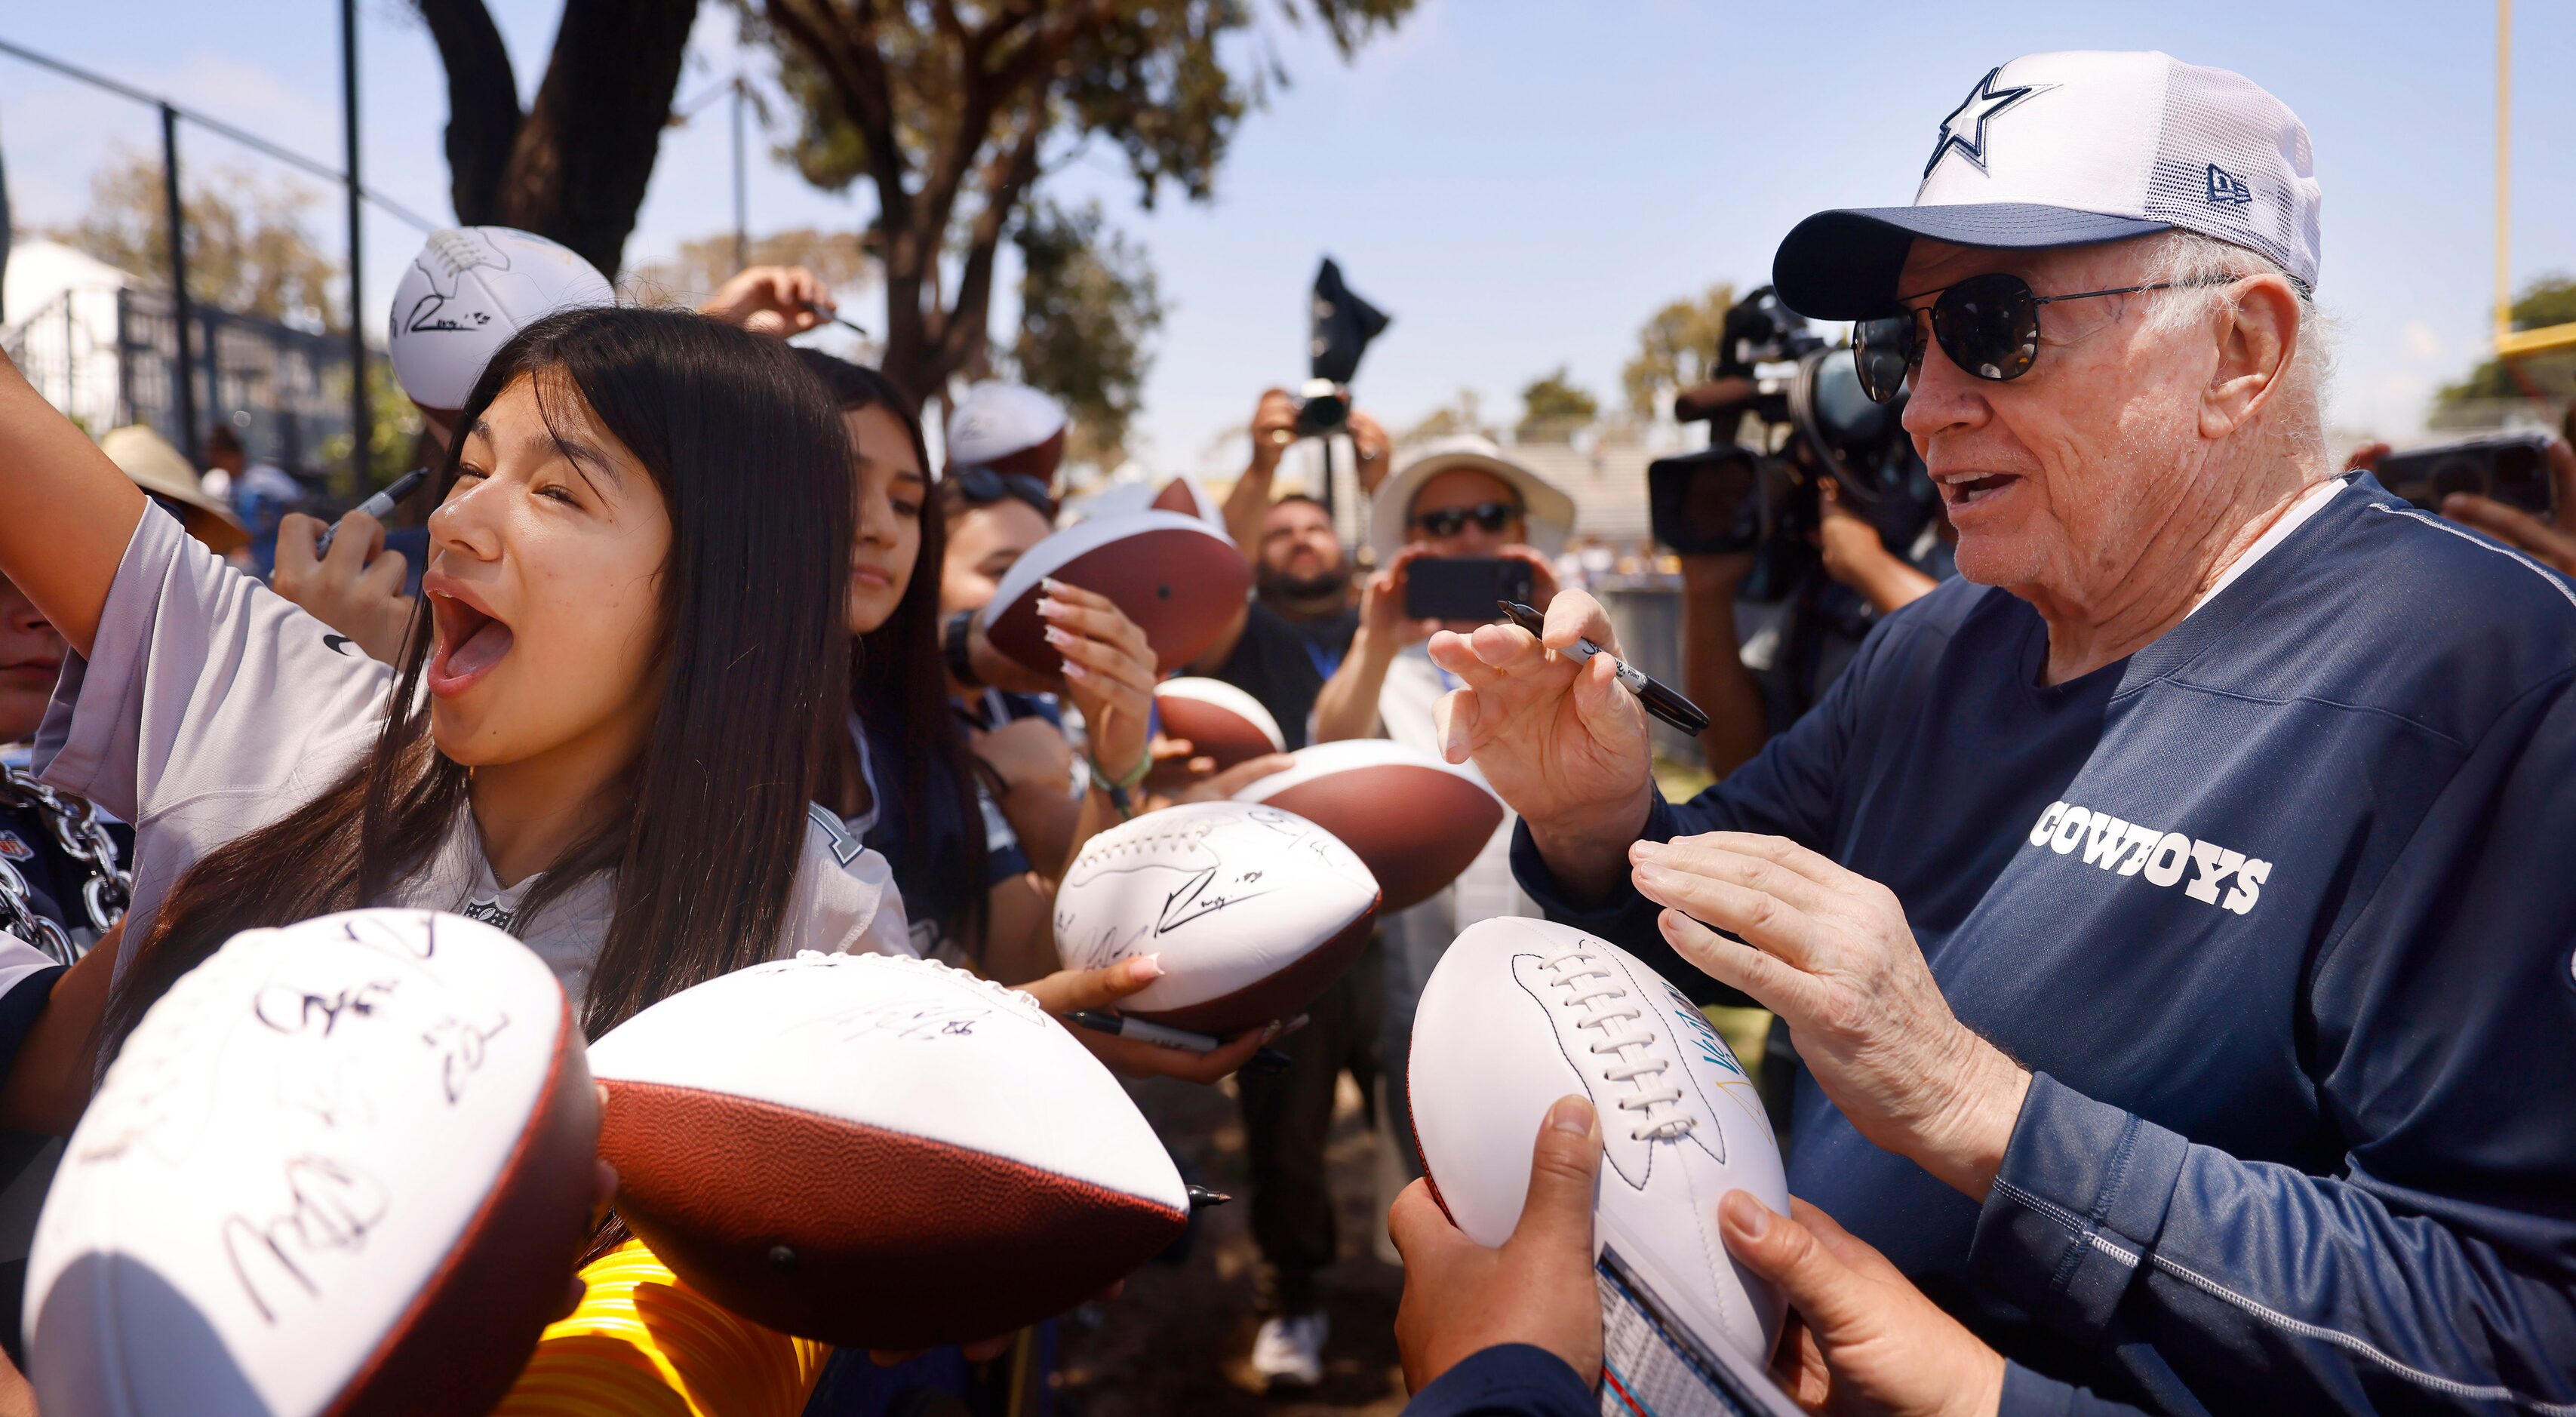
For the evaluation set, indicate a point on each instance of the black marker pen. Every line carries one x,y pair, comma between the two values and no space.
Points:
379,506
1658,699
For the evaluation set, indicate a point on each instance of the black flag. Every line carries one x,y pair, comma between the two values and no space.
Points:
1342,325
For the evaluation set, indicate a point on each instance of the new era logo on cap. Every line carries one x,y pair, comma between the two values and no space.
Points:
2070,149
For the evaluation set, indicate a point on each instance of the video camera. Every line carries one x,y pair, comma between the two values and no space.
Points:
1816,424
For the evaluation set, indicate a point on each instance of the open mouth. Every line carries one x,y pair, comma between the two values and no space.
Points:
470,643
1967,489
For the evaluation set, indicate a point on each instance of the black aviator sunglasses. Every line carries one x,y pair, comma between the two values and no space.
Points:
1988,325
1449,521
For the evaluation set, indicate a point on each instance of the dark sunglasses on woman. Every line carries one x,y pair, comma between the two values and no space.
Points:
1988,325
983,486
1449,521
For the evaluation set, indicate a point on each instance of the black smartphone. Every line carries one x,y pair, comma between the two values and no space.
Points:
2512,468
1463,587
1706,502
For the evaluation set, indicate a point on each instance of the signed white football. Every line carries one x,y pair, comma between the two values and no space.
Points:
879,1152
343,1167
1416,819
466,293
1522,1012
1254,911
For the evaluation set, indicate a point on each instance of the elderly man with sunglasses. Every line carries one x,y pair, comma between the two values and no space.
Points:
2174,913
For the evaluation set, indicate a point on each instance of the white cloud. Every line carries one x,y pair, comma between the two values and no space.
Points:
2422,343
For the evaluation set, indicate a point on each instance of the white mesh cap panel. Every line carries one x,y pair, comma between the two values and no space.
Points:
2138,135
2233,162
2058,130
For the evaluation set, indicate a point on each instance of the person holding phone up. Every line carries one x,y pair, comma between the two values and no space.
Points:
1456,528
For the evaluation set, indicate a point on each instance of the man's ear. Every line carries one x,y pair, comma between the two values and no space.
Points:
2256,341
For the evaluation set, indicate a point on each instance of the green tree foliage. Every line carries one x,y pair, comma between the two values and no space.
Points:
953,113
1552,409
394,444
1676,348
247,248
1461,415
1089,306
2550,300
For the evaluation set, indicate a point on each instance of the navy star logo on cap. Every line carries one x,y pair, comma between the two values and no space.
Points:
1964,131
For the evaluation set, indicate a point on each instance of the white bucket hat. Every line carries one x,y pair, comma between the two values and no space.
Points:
1547,512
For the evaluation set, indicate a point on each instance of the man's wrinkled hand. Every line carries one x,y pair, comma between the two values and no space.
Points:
1829,951
1562,743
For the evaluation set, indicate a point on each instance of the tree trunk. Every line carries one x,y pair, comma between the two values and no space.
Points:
585,152
574,167
482,104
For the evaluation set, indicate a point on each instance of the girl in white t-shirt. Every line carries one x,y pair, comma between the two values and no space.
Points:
606,734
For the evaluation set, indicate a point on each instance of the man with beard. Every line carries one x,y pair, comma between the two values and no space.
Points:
1293,633
1288,641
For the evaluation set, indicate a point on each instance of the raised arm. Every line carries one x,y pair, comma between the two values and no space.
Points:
66,512
1274,426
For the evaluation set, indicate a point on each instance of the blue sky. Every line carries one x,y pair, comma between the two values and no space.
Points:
1521,184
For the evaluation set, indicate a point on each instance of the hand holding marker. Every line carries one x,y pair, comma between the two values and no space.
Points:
1657,698
379,506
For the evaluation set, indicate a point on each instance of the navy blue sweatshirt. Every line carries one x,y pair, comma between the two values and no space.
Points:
2281,912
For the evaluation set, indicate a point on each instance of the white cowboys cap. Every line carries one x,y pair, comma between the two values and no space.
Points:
2072,149
467,292
996,419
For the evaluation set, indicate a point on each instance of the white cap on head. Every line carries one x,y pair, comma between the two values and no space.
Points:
468,291
996,419
2072,149
1547,514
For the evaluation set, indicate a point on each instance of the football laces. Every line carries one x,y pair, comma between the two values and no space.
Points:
1591,986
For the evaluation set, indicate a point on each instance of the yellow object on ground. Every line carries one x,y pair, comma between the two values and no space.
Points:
643,1344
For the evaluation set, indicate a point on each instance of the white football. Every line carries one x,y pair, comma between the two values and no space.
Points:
1415,818
342,1167
1254,911
879,1152
466,293
1522,1012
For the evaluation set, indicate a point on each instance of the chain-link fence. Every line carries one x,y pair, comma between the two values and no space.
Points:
109,357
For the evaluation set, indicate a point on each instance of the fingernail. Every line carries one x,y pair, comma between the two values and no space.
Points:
1648,874
1645,850
1751,1216
1051,609
1146,967
1571,1114
1050,583
1059,637
1075,673
1272,1030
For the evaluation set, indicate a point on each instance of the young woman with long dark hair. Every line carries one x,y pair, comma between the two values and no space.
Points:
607,736
908,784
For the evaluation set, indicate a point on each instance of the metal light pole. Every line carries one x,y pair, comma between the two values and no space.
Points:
741,222
183,364
359,425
